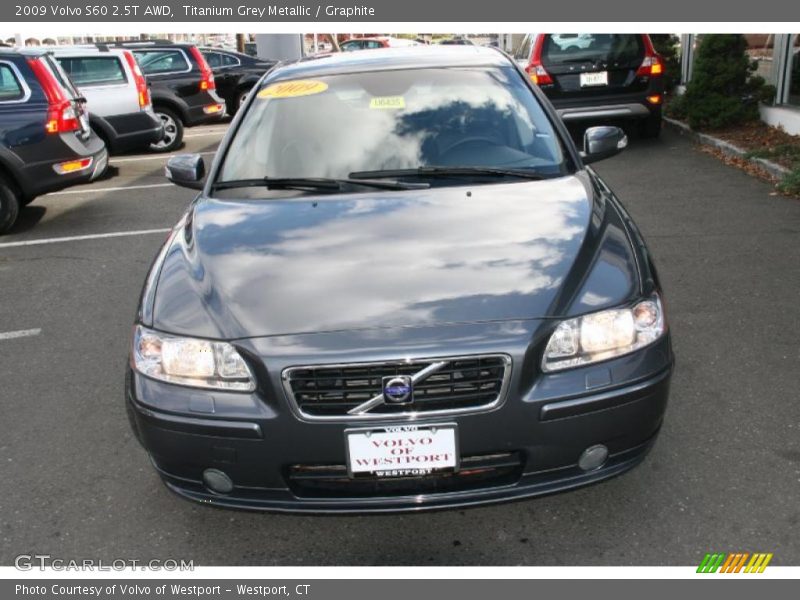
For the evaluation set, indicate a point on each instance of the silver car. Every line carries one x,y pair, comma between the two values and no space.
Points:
120,110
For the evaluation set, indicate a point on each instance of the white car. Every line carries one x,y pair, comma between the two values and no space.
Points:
118,99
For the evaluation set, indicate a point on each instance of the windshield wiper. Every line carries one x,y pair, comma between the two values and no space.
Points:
448,172
317,184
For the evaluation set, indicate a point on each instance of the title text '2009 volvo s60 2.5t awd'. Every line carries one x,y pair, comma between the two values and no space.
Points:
399,288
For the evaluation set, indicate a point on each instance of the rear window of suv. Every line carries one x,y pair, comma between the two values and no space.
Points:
153,62
93,70
10,87
560,48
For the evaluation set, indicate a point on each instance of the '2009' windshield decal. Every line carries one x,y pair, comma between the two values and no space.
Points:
293,89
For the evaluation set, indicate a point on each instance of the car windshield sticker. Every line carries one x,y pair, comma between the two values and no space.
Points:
387,102
293,89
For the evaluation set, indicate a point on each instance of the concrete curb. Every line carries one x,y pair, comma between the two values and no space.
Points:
770,167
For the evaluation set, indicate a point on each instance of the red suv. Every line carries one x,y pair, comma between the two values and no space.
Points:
590,76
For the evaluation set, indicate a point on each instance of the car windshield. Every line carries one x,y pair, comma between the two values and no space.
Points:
338,125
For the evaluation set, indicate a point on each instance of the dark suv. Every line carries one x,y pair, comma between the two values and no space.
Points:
182,87
235,74
45,140
592,76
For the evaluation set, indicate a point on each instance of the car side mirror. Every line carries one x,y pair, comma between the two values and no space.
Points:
186,170
602,142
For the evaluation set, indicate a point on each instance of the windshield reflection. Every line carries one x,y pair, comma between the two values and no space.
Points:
395,120
436,256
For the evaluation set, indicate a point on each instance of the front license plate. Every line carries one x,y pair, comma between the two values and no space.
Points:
401,451
590,79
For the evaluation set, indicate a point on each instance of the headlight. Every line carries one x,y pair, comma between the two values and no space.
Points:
190,361
603,335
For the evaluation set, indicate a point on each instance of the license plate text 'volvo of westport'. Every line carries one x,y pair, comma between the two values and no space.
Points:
399,288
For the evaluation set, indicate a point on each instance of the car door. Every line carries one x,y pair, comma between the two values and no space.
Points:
21,116
226,72
168,68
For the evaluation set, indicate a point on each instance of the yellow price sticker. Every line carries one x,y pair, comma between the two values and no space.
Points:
293,89
387,103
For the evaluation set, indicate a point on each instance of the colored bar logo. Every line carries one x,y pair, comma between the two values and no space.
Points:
734,562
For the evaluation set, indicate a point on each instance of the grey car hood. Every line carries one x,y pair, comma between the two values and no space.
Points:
523,250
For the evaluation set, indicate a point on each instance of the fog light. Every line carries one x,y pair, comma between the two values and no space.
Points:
593,457
72,166
217,481
654,99
212,109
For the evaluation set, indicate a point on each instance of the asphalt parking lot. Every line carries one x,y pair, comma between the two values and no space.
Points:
724,475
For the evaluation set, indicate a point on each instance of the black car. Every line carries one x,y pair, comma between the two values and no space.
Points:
450,309
597,76
235,74
182,87
46,143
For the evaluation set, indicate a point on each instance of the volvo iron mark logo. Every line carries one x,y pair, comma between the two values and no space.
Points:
397,389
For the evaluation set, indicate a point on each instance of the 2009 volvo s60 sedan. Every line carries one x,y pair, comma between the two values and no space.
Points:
399,288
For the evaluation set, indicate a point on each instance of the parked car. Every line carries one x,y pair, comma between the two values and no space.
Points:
235,74
373,43
457,41
450,309
120,110
182,87
46,143
251,49
598,76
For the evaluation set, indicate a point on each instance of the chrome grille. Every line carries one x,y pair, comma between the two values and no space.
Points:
461,384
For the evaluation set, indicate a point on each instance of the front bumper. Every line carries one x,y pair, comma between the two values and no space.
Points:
537,434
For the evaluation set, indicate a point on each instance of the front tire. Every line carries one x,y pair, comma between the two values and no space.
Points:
173,131
9,206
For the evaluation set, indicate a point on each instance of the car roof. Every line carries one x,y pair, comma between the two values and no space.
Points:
224,51
26,51
149,44
386,59
84,50
369,37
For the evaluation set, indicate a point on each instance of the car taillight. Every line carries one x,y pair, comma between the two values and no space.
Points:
61,115
141,82
535,69
652,65
539,74
207,75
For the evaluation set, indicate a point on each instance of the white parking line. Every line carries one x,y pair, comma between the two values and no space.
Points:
10,335
114,161
204,134
110,189
79,238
